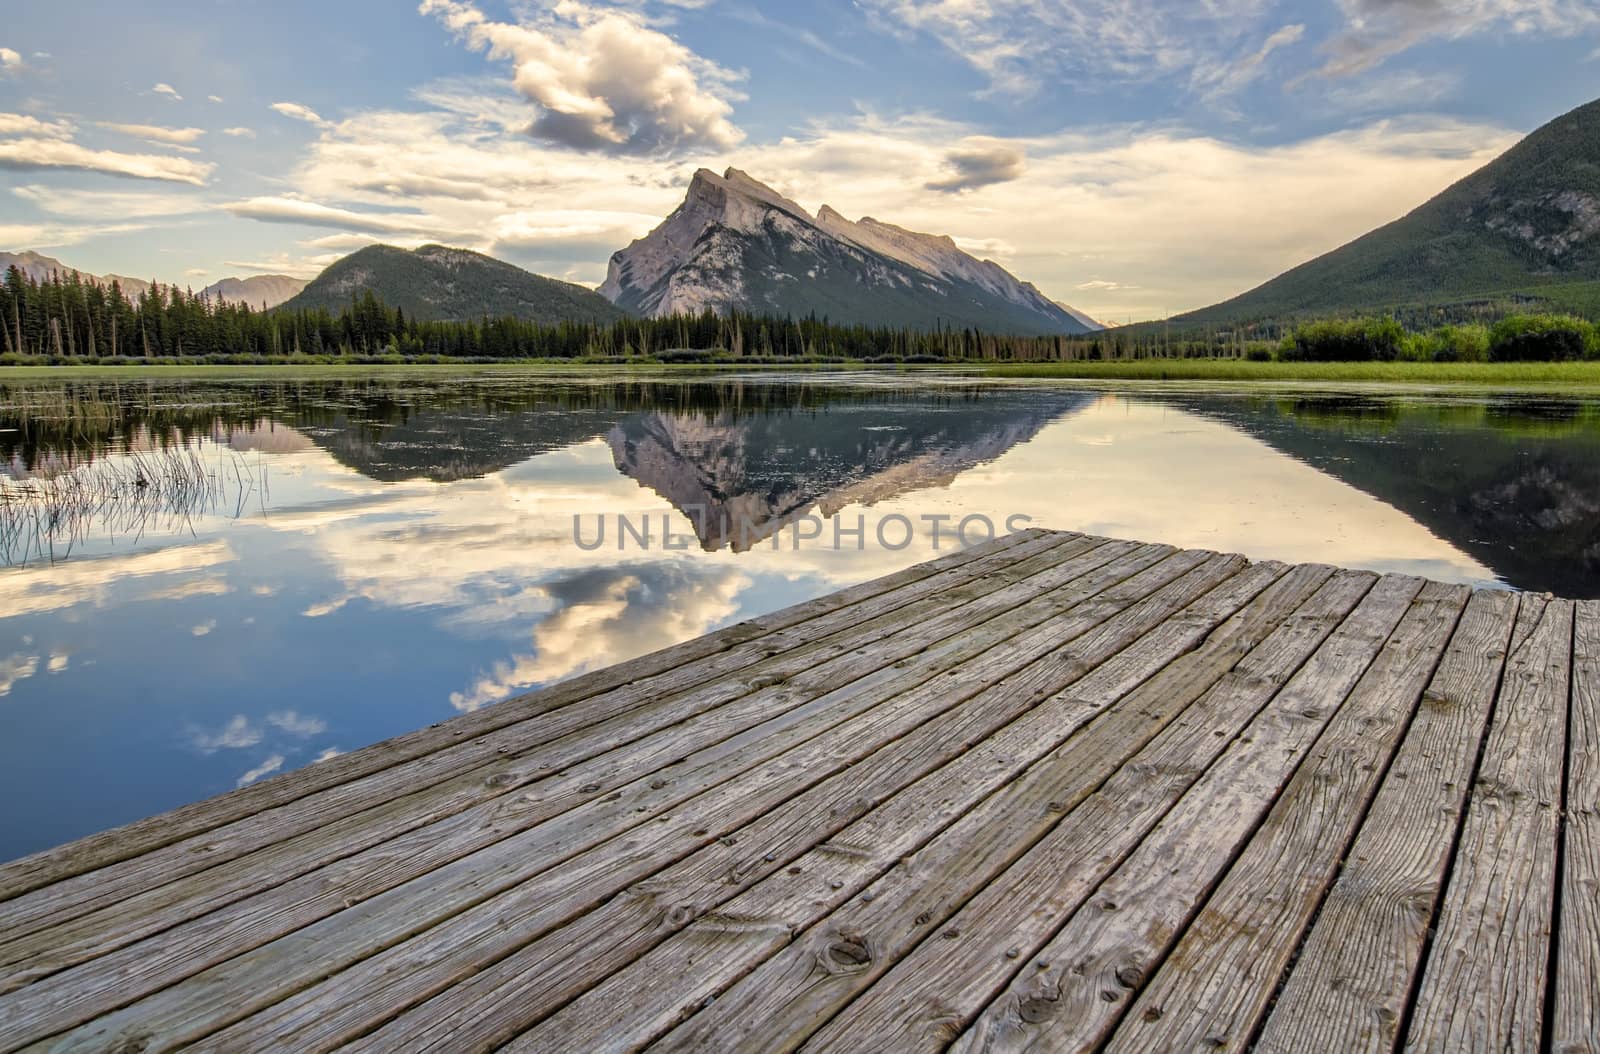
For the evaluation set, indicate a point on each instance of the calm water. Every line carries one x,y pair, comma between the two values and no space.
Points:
204,584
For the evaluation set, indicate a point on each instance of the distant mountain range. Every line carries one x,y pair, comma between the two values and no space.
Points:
737,244
1526,225
439,283
259,291
1527,222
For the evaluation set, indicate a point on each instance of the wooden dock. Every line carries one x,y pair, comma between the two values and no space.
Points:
1058,792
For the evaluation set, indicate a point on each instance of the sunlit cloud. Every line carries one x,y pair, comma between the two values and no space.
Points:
14,668
297,724
156,133
107,205
238,734
1377,30
24,124
298,112
39,154
162,88
43,587
261,771
602,79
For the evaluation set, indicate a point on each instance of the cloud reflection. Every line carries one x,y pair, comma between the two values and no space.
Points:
610,615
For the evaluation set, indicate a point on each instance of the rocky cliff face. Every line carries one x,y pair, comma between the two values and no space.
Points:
737,244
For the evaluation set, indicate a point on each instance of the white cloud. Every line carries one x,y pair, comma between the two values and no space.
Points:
266,768
214,98
10,62
295,210
602,79
240,132
23,124
59,660
1377,30
86,214
329,754
196,272
162,88
237,734
296,111
18,667
1215,82
204,628
156,133
1160,203
1019,45
297,724
35,154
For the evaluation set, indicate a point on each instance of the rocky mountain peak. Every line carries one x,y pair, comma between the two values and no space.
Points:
738,244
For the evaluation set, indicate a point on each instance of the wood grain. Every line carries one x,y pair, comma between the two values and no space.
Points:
1483,986
1349,989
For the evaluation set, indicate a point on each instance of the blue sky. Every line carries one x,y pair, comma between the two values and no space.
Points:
1131,157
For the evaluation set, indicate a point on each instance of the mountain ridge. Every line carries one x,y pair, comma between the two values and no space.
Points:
1527,219
257,291
439,283
737,244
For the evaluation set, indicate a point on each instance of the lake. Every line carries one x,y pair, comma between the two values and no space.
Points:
205,583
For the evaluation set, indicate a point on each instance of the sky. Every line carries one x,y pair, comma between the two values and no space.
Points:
1132,158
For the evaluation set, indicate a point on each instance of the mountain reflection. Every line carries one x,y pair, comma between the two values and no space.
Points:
740,480
725,453
1514,483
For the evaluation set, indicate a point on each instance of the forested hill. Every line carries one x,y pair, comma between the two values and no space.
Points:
435,283
1529,220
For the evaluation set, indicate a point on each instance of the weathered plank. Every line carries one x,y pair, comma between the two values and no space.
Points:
1483,985
474,765
1576,1025
1064,791
492,1005
1354,977
582,764
1215,985
352,930
918,892
131,840
1075,989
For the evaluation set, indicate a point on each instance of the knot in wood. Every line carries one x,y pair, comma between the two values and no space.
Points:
848,952
1035,1009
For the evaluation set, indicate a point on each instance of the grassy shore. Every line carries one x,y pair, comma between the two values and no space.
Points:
1562,377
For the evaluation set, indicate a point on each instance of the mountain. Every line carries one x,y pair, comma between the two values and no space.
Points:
40,268
259,291
1529,219
737,244
741,477
438,283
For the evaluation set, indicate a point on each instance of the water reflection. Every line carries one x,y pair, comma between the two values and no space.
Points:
407,552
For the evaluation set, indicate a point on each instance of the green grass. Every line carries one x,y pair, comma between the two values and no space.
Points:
1529,376
1566,377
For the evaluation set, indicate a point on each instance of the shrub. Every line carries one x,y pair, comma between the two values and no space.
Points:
1541,338
1469,343
1361,340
